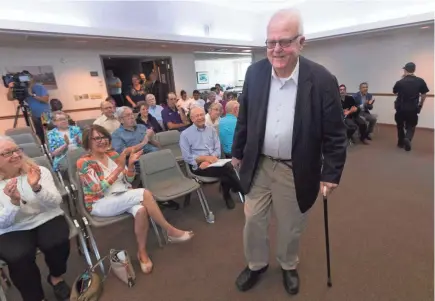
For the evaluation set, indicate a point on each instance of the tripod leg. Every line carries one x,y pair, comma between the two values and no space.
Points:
17,115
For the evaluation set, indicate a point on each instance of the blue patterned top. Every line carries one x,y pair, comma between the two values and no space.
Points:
55,140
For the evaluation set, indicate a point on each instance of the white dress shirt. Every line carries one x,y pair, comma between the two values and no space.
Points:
278,136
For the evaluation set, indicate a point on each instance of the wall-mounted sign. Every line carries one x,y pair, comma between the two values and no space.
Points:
94,73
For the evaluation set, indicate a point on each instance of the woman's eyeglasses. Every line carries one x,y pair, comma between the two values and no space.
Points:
10,153
100,138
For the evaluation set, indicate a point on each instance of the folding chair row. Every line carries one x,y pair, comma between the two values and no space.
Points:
26,135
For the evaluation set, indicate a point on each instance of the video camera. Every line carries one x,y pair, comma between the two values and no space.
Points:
21,81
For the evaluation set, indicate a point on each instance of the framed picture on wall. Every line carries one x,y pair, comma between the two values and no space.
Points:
41,74
202,77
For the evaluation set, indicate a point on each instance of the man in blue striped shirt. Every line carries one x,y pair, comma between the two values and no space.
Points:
227,126
200,147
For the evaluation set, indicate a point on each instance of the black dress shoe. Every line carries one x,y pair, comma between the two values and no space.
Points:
229,201
248,278
407,144
369,138
169,205
290,279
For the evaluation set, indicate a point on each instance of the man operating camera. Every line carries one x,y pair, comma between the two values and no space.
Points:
38,102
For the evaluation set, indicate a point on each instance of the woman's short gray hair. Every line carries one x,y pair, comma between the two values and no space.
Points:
216,105
57,113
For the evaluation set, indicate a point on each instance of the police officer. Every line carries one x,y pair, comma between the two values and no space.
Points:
411,93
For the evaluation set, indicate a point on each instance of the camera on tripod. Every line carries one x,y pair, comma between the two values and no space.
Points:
21,81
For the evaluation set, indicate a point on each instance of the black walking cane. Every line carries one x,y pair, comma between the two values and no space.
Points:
325,215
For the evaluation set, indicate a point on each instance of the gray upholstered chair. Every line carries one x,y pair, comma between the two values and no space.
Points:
82,124
25,138
31,150
18,131
170,140
161,175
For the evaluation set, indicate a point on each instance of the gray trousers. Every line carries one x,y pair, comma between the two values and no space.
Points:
371,119
273,189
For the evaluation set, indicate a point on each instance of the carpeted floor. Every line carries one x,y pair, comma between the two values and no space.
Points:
381,233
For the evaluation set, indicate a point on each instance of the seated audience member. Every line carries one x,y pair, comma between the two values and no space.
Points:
227,96
364,101
211,98
106,177
108,119
197,100
213,116
147,119
185,103
200,147
219,91
173,117
130,134
31,219
154,109
227,126
61,139
351,115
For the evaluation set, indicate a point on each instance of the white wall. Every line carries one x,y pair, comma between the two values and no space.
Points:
223,71
378,59
71,69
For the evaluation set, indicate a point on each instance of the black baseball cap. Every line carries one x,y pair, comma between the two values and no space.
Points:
410,67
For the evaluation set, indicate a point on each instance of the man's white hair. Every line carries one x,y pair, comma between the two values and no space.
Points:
121,110
289,13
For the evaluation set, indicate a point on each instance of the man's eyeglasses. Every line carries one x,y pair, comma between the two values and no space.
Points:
100,138
10,153
283,43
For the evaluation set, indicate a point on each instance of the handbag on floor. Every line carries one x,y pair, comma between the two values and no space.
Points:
88,286
120,264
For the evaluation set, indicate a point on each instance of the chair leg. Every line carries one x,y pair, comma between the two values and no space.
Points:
156,231
209,216
81,244
91,239
187,200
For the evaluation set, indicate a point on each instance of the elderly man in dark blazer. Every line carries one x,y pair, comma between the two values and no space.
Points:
290,141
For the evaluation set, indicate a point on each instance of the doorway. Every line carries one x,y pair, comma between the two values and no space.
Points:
124,67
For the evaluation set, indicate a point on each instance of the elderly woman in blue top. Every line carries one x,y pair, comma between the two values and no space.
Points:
201,147
31,219
62,138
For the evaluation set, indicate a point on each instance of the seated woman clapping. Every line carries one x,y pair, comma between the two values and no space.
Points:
30,218
106,182
62,138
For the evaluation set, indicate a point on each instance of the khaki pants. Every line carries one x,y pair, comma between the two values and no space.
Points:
273,188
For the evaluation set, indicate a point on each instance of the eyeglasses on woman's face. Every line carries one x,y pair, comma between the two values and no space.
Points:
11,152
100,138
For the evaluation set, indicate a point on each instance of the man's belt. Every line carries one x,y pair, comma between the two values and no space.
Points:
287,162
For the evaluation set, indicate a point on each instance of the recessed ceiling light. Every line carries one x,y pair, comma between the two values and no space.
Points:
246,50
424,27
163,46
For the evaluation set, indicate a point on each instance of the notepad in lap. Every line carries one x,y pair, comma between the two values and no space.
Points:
219,163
